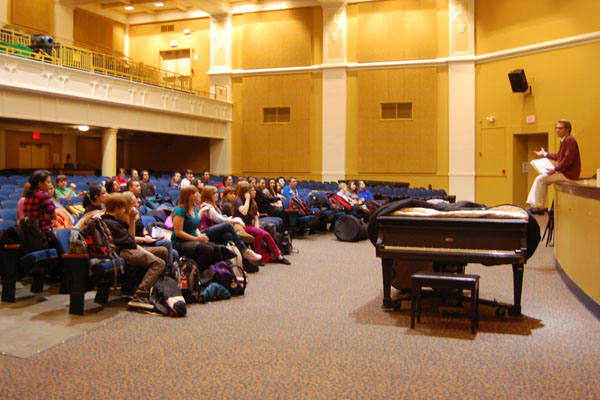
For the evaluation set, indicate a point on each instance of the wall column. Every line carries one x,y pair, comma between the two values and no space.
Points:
220,88
334,93
63,23
4,149
109,152
461,110
4,13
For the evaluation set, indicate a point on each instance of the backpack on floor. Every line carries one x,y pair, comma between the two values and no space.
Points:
233,277
167,298
185,272
348,228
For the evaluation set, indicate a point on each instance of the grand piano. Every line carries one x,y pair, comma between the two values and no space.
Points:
453,241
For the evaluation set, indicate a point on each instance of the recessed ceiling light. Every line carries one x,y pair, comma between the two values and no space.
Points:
83,128
159,4
129,8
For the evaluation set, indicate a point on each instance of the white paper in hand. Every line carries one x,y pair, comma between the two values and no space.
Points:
542,165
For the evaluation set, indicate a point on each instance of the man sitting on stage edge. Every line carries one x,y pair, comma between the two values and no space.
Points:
567,168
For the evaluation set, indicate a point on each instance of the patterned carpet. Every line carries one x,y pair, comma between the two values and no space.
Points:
315,330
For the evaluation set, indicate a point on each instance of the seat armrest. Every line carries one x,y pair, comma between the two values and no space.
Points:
75,256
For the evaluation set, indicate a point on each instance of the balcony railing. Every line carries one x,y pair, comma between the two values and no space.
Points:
19,44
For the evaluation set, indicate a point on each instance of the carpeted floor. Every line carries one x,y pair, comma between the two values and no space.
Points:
315,330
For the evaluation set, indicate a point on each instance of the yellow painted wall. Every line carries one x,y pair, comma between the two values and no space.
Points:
414,151
35,16
274,39
396,30
98,33
147,41
506,24
267,149
566,84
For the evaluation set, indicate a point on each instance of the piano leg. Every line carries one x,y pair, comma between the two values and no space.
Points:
515,310
388,274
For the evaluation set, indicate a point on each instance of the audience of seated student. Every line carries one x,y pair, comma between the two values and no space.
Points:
267,204
62,191
136,188
228,181
38,204
198,184
343,191
227,206
205,177
228,202
186,237
64,219
219,228
282,183
121,223
143,237
121,179
135,175
175,181
147,186
361,211
364,193
279,190
112,186
245,208
21,202
93,203
189,175
291,189
352,193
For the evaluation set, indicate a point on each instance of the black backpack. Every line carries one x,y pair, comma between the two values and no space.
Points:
33,237
319,201
99,239
185,271
284,243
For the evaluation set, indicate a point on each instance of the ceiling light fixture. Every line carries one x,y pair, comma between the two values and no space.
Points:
129,8
83,128
159,4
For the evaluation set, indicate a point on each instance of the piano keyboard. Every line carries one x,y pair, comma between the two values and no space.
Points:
449,250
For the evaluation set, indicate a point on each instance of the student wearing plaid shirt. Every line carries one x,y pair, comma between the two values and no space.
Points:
38,203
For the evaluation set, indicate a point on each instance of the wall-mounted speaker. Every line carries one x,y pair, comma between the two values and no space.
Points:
518,81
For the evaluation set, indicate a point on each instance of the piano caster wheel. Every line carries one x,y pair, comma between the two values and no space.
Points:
500,312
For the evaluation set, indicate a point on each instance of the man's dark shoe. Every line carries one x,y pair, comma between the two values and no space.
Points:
283,260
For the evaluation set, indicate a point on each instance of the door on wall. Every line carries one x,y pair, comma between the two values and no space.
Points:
523,173
34,155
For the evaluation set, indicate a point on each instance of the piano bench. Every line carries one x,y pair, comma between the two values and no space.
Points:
443,280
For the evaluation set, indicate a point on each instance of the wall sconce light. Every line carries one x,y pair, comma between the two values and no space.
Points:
83,128
187,31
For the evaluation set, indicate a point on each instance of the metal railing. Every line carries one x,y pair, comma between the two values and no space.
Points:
18,44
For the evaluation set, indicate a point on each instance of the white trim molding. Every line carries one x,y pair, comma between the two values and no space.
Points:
571,41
